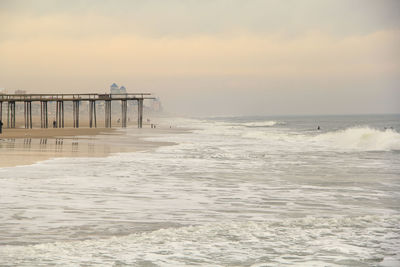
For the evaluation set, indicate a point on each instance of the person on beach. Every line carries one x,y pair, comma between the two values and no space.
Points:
1,127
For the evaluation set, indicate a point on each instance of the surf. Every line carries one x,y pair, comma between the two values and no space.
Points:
262,123
361,139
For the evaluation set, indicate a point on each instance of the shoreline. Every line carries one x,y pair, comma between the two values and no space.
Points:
53,132
20,147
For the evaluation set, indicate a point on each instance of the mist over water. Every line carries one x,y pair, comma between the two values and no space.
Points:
237,191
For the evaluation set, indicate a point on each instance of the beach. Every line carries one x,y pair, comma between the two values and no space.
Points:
27,146
200,133
237,191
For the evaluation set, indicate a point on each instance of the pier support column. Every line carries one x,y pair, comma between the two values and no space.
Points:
76,113
140,113
1,111
46,114
44,117
92,113
41,114
57,112
8,114
62,117
60,114
107,113
28,114
124,107
11,114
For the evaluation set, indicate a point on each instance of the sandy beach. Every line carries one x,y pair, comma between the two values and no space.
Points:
53,132
28,146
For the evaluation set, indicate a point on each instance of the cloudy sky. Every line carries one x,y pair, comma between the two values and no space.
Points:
203,57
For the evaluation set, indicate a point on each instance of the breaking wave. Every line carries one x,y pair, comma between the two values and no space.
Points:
262,123
350,139
362,139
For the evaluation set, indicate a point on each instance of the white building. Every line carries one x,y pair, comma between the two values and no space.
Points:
156,105
114,89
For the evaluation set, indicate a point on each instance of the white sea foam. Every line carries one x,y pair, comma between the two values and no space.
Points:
267,135
255,196
362,139
353,241
262,123
350,139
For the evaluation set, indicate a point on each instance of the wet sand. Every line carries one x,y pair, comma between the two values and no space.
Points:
28,146
53,132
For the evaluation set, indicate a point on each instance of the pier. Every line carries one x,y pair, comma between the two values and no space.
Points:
76,99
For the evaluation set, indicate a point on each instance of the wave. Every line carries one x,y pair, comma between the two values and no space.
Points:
262,123
362,139
350,139
225,243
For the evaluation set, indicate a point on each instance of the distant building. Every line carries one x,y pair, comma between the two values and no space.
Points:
114,89
156,105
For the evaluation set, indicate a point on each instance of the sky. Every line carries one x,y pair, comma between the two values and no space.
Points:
210,58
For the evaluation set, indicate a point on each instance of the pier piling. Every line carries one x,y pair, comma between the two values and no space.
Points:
108,114
44,115
124,107
140,113
11,114
92,113
28,114
76,113
60,114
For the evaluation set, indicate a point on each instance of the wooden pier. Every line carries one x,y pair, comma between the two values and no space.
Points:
76,99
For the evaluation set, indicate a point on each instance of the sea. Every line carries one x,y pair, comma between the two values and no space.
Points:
232,191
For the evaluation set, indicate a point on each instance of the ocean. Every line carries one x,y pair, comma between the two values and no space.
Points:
233,191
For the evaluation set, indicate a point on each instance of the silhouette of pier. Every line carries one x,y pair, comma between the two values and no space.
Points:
76,99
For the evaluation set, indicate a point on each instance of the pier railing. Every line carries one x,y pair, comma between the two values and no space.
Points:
71,97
